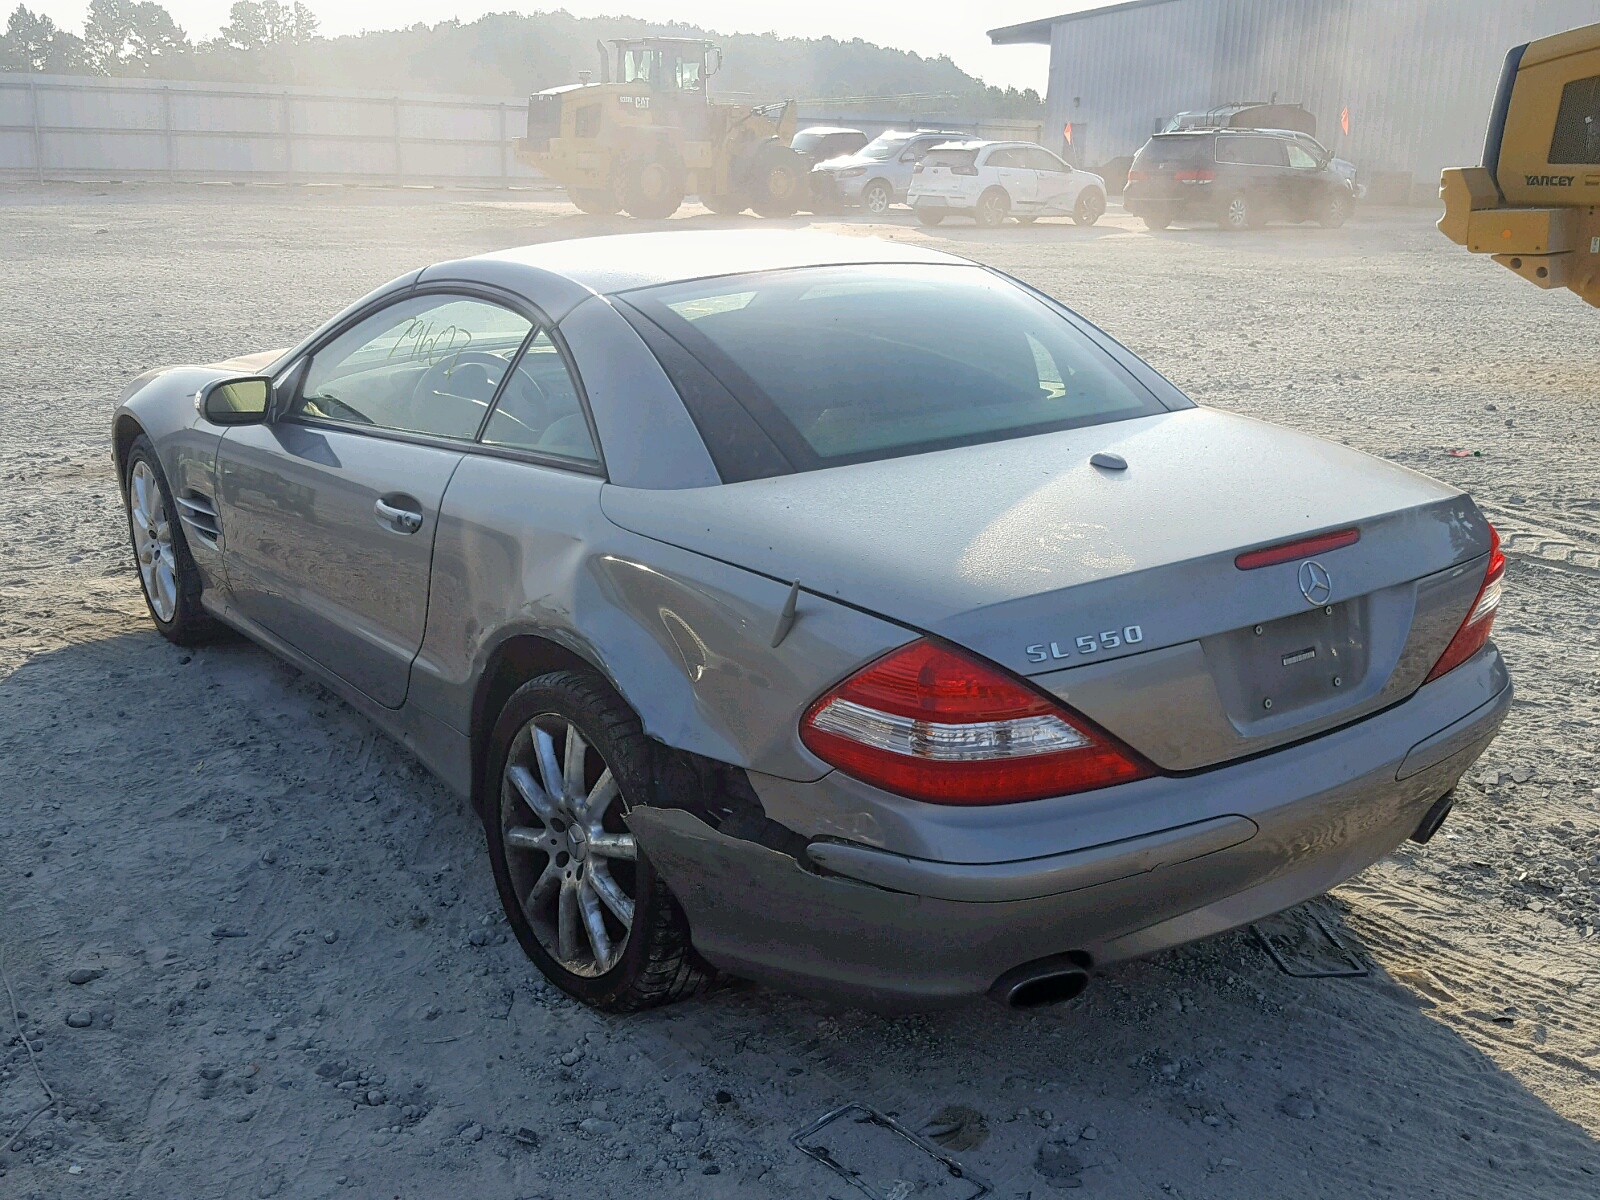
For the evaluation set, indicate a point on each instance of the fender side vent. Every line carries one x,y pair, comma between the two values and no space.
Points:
200,517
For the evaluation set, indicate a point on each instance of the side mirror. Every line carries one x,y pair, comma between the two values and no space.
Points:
241,401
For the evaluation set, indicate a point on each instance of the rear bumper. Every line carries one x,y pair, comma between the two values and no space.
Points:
1233,845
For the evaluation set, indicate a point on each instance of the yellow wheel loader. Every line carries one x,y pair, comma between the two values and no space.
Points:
647,134
1534,205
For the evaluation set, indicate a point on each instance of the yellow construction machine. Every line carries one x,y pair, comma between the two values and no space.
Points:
1534,205
647,134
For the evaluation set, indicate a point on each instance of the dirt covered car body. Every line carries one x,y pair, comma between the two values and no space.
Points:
831,611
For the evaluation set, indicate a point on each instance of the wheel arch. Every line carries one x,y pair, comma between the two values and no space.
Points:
513,662
125,430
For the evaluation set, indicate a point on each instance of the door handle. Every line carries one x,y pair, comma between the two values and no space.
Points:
404,520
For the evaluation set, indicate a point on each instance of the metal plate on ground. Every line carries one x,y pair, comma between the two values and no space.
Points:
1302,946
883,1159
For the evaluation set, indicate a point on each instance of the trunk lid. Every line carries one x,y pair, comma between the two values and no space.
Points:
1118,590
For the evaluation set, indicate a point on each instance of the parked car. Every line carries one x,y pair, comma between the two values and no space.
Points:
879,174
818,143
990,181
832,611
1239,178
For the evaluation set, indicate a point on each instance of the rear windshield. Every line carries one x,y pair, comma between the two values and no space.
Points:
808,140
1172,149
849,364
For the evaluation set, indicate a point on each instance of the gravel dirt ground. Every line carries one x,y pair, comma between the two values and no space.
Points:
251,949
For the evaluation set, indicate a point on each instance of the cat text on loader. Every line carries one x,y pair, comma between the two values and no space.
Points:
1534,205
647,134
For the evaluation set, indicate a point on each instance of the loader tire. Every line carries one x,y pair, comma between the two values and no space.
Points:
778,178
651,189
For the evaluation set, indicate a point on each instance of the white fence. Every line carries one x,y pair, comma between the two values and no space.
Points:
67,127
58,127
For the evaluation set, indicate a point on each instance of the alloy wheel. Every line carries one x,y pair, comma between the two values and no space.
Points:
877,200
152,541
1238,212
569,854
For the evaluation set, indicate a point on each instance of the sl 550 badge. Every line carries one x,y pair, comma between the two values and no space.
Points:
1087,644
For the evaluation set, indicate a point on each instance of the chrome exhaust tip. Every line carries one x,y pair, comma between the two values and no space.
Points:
1053,980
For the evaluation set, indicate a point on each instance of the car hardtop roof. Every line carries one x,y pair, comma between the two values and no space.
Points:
828,129
622,262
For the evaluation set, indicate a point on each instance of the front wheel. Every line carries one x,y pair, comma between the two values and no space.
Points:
930,216
993,207
167,572
779,178
1090,208
1336,209
877,197
571,761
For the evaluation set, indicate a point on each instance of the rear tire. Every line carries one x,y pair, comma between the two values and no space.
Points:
1239,213
877,197
1090,208
1026,220
779,182
930,216
1158,219
654,963
168,577
651,189
994,206
600,202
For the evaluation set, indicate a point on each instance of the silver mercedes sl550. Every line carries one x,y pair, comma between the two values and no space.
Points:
828,611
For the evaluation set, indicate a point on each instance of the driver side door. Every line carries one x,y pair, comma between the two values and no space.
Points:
328,512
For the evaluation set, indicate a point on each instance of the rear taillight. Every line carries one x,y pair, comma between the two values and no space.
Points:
1474,631
1197,175
936,724
1137,176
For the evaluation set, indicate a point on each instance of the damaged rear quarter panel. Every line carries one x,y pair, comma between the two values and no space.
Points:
686,639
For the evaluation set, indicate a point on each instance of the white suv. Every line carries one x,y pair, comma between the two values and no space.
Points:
993,180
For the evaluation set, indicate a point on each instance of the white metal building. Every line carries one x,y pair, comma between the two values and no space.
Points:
1416,77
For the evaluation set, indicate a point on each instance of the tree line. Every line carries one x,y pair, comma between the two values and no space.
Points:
269,41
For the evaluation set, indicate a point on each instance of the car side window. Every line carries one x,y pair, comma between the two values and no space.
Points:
1002,158
429,364
539,408
1043,160
1250,151
1301,159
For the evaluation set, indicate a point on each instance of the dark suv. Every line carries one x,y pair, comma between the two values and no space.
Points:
1239,178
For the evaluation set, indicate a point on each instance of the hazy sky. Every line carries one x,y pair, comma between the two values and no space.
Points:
929,28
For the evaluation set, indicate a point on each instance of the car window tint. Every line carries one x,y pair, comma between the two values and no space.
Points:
429,364
1250,151
1042,160
846,364
948,158
1300,158
1002,158
539,407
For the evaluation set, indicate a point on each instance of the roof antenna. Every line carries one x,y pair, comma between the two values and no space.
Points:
786,617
